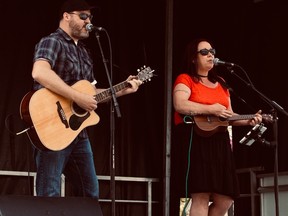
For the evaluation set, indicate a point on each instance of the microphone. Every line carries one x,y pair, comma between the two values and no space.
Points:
217,61
90,27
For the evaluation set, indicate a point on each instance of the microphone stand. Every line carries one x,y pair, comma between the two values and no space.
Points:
112,123
275,108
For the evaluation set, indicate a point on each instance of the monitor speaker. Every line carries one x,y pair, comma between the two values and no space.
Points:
52,206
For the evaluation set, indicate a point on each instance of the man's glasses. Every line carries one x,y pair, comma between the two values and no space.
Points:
84,16
205,51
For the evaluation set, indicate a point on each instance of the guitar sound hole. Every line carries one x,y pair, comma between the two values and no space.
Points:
222,119
77,110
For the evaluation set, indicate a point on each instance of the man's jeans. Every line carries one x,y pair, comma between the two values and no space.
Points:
77,164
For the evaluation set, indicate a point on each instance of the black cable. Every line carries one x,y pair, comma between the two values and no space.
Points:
188,164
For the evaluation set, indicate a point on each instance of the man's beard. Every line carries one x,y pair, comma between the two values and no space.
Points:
76,31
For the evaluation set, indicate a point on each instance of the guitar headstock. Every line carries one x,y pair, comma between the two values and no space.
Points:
268,118
145,73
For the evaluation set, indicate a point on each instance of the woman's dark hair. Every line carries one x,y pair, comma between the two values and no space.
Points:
189,61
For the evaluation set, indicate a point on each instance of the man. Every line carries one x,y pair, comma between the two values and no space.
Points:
61,60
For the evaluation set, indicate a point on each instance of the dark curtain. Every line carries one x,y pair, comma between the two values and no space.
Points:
249,33
135,31
246,33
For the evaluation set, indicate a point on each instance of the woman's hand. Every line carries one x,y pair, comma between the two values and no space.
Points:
221,111
257,119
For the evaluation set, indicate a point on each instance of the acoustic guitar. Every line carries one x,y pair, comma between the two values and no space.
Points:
54,121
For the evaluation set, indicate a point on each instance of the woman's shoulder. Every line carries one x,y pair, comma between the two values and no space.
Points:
184,78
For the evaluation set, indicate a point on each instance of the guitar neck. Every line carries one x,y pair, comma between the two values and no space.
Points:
241,117
145,74
106,94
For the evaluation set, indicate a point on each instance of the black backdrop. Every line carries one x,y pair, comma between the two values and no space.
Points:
249,33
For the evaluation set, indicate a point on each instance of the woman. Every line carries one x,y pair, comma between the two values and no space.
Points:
205,155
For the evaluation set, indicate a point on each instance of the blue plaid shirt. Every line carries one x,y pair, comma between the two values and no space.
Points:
70,61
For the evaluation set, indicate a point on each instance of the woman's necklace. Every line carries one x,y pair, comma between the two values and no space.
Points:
202,75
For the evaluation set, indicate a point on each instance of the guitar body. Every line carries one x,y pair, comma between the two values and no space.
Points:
54,120
207,125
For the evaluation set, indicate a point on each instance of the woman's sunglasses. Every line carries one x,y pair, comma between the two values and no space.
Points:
205,51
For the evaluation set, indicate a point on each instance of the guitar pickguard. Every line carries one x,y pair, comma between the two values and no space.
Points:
75,121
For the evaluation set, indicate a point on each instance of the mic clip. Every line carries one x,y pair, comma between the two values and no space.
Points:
254,135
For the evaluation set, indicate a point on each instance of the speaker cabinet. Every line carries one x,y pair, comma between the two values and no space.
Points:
267,194
52,206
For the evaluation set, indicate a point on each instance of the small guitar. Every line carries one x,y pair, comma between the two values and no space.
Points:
208,125
54,121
